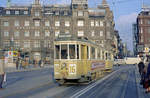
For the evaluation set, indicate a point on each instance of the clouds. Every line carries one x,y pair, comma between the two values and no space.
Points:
124,25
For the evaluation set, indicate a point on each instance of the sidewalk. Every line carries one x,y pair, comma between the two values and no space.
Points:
12,69
140,89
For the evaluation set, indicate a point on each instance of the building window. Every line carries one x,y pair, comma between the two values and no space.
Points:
101,23
16,44
108,24
37,14
6,23
57,23
57,13
149,30
17,12
92,23
80,13
80,33
37,23
47,33
101,33
25,12
26,33
142,39
141,30
80,23
67,31
8,12
93,33
141,21
57,33
47,23
16,34
148,22
65,13
6,33
108,34
47,43
97,23
26,23
36,44
26,44
37,33
6,43
67,23
16,23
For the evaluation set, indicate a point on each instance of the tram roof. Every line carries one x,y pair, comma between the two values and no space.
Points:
74,38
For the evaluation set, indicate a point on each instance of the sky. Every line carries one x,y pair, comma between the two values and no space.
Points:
125,13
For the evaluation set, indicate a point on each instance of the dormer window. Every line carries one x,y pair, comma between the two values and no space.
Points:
8,12
37,13
16,12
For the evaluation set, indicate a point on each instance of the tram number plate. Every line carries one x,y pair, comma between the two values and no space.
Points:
72,68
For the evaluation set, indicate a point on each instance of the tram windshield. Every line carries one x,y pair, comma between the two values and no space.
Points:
67,51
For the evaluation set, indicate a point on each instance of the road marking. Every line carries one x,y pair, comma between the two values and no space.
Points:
81,92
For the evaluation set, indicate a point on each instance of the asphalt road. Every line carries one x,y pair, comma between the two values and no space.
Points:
121,83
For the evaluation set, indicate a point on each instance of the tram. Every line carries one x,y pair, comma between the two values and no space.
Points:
79,60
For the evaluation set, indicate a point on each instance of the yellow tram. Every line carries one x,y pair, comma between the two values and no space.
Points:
78,60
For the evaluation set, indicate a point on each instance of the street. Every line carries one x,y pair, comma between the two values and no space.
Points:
121,83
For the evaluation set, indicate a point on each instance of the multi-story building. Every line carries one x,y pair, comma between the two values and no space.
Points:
32,29
143,30
135,39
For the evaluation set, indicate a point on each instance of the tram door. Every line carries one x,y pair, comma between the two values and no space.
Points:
84,58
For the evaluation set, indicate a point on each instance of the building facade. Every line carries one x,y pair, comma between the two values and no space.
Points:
32,29
135,39
143,31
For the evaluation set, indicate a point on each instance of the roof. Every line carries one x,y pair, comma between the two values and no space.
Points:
67,37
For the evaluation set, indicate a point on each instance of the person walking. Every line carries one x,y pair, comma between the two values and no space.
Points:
147,80
17,63
141,67
2,73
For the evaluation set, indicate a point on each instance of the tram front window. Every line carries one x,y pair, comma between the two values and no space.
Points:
72,51
64,53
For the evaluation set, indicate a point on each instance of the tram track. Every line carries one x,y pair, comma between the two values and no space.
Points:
105,85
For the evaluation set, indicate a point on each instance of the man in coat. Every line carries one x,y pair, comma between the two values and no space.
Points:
141,67
1,72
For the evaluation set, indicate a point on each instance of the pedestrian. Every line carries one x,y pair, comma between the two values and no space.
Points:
42,64
141,67
2,72
17,63
147,80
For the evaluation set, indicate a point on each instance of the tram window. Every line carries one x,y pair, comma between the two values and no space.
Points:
72,51
106,56
64,53
103,55
109,57
93,53
77,51
99,55
87,52
57,49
